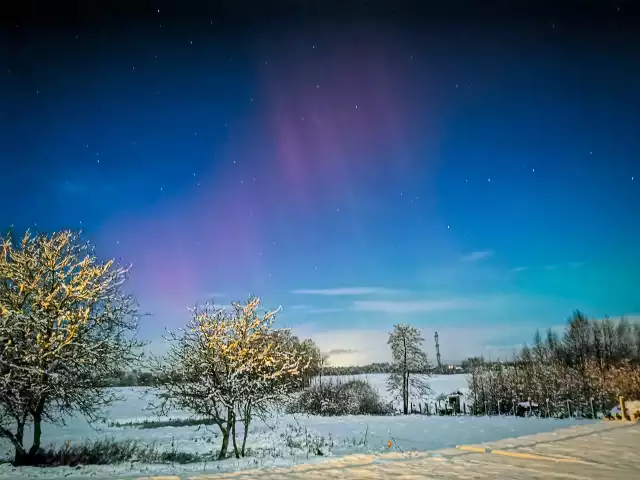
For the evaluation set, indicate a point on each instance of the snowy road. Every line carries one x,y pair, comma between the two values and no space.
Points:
606,450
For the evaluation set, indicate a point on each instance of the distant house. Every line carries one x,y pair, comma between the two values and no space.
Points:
454,401
524,409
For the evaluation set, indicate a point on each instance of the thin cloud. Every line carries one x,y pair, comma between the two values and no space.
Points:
413,306
519,269
324,310
549,267
340,351
475,256
347,291
308,309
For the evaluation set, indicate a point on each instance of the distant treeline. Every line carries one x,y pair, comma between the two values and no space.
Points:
381,367
138,378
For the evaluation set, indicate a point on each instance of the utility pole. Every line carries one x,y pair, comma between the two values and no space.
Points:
439,367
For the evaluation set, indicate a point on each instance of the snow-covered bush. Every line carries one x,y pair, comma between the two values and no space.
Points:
228,367
354,397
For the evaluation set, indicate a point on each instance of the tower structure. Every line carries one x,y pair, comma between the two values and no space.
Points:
439,365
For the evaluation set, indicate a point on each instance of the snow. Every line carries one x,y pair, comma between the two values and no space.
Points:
281,440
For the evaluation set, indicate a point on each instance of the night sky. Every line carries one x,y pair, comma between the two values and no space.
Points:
473,171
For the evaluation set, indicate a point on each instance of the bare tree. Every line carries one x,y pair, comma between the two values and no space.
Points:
594,360
66,329
408,359
227,365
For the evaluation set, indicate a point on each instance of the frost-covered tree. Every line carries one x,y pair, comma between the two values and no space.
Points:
66,329
225,365
410,364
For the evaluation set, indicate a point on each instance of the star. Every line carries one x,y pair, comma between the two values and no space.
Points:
448,227
533,170
489,180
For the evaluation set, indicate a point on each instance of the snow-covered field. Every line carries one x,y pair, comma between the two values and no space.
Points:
282,440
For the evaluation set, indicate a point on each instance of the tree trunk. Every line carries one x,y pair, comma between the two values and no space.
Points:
225,443
16,440
37,433
405,393
405,377
246,422
233,436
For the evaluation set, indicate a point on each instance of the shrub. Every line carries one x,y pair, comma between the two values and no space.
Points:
170,422
354,397
298,439
108,451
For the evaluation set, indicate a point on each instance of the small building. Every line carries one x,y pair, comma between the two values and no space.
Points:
525,409
454,401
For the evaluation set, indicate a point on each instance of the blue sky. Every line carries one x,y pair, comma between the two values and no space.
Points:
476,182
